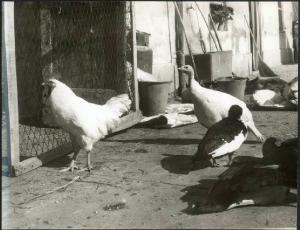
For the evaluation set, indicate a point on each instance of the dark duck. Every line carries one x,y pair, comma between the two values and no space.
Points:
223,138
284,154
245,185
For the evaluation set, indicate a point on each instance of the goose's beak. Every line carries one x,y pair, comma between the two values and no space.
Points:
182,69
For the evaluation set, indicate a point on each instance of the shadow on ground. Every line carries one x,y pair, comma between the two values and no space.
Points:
63,161
167,141
180,164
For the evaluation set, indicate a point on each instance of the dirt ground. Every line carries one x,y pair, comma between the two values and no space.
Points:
149,169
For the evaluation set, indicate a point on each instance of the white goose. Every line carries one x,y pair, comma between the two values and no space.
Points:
212,106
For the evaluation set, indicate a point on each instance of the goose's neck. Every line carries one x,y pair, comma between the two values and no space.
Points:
191,78
192,81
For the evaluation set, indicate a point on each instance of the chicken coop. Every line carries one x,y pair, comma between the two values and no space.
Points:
88,45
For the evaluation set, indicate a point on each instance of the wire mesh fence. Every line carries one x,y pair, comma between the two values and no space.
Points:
87,46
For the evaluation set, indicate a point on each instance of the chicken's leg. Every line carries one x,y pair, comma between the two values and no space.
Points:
72,164
89,165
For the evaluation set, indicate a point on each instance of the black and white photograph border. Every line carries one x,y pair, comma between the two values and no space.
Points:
149,114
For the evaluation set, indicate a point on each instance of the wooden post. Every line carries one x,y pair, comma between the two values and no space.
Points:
254,18
134,58
10,77
180,47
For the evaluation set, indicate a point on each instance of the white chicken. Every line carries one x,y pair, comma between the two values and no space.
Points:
212,106
85,122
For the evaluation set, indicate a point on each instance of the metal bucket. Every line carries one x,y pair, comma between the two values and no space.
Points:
234,86
153,97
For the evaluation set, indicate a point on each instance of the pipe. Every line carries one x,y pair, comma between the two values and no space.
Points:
187,42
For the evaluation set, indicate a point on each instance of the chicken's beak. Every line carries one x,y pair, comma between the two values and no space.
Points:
49,85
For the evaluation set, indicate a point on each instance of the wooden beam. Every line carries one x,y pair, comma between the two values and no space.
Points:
134,57
11,79
42,159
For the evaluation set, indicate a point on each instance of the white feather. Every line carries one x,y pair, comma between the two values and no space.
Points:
229,147
241,203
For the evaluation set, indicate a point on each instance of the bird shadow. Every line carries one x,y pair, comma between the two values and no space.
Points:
249,160
166,141
183,164
63,161
180,164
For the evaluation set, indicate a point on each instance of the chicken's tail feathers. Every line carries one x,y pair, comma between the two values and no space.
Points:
119,104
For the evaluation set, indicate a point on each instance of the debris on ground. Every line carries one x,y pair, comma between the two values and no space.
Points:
116,206
176,115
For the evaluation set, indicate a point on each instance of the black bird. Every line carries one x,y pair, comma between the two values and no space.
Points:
285,155
245,185
223,138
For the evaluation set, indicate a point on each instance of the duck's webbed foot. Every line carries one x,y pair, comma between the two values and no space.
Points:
229,159
214,163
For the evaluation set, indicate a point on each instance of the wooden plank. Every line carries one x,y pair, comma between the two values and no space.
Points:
42,159
134,58
10,62
35,162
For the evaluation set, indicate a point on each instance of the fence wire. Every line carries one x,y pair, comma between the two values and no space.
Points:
87,44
